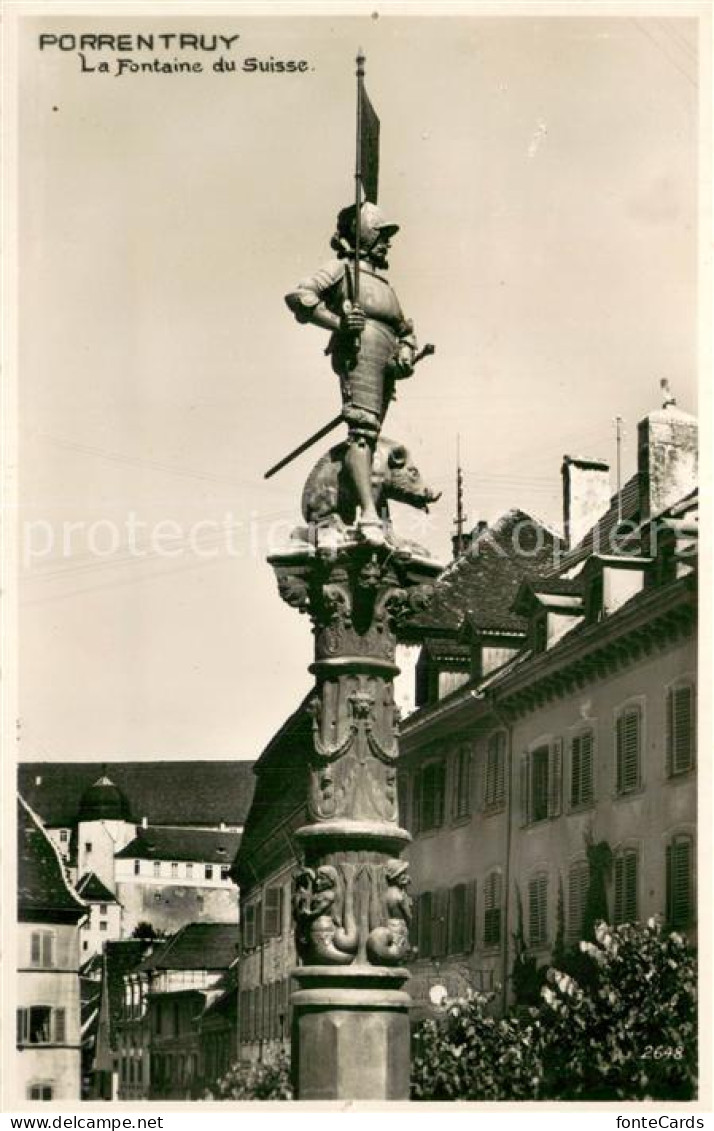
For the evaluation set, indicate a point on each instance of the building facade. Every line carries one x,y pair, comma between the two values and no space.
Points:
563,781
167,872
48,1039
264,867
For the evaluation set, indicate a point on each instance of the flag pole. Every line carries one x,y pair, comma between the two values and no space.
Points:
358,168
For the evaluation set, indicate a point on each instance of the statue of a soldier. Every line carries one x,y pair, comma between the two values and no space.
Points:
372,344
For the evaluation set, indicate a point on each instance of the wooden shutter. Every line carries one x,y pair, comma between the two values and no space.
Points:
680,730
525,789
555,777
586,767
492,910
581,769
500,768
490,791
578,880
626,887
470,917
440,923
273,912
628,750
60,1027
36,948
680,904
249,931
538,910
461,783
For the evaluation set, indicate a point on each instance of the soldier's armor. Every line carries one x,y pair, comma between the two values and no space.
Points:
367,376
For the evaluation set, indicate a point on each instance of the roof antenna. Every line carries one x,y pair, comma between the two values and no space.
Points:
458,541
618,427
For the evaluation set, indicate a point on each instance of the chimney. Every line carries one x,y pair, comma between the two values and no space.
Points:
460,544
667,458
586,496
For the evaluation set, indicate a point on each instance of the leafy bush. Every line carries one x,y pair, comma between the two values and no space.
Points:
630,1034
625,1030
267,1081
469,1055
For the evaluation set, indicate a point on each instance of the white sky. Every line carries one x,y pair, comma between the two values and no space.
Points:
544,173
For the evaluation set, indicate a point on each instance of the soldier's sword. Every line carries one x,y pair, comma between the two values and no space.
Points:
304,446
425,352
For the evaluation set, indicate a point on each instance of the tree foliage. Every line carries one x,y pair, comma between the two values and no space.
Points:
626,1030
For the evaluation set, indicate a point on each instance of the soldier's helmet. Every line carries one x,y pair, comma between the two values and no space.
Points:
373,223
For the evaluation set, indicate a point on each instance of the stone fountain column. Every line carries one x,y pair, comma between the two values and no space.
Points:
352,910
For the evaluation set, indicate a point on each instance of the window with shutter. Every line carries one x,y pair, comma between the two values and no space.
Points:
628,750
578,880
42,950
425,913
492,910
680,730
39,1092
457,920
273,912
680,882
581,770
494,775
538,910
626,880
540,761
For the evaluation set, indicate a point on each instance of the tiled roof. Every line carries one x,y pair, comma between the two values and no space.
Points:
44,892
481,585
91,889
197,946
166,793
446,648
206,846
